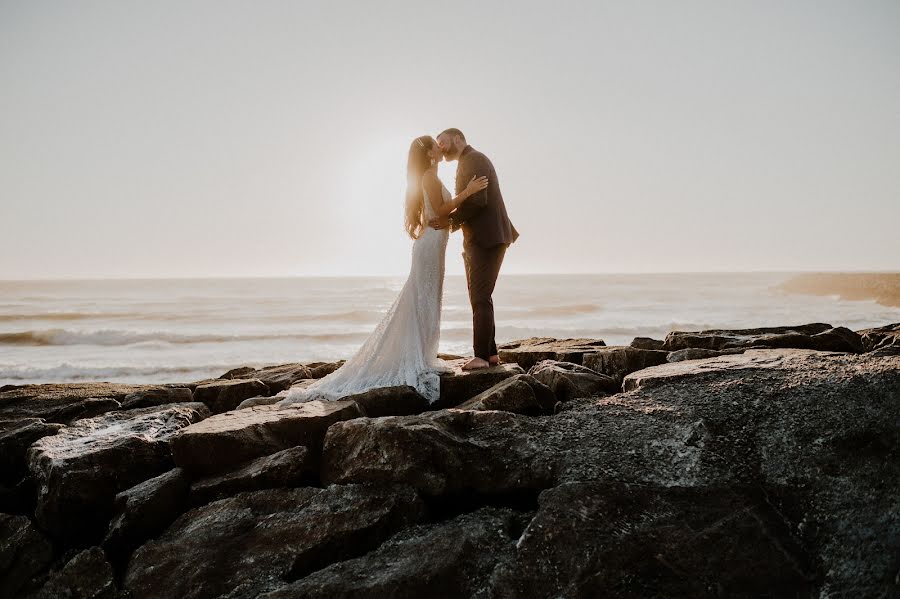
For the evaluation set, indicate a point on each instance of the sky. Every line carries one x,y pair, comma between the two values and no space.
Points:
221,138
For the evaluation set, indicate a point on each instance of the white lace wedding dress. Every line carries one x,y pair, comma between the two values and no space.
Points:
402,350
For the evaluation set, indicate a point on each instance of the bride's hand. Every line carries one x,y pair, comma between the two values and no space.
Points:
476,185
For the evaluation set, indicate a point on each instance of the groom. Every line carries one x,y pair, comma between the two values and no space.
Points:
487,232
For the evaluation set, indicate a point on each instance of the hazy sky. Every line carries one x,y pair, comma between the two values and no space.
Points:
269,138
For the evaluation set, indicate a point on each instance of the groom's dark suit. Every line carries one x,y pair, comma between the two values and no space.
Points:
487,232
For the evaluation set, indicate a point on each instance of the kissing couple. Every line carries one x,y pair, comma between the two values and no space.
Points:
402,350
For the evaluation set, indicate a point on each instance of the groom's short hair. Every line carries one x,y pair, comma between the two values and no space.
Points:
453,131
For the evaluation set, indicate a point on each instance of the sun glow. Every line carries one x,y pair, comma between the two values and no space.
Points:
371,208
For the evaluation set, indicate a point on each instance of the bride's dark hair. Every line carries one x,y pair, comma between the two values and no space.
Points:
418,162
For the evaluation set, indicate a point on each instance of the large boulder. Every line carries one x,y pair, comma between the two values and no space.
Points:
224,395
609,539
818,336
318,370
88,575
63,402
812,435
287,468
439,453
883,340
460,385
81,469
277,378
522,394
259,541
456,558
144,511
647,343
226,440
618,361
568,380
24,552
528,352
839,339
241,372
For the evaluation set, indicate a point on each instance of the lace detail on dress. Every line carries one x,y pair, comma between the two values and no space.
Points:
402,350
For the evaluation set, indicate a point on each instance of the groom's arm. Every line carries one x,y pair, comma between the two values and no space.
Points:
474,166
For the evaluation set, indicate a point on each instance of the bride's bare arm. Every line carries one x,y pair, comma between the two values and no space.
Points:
433,188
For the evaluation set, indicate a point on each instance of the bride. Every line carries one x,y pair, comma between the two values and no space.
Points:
402,350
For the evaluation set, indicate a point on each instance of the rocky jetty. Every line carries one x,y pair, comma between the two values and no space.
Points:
746,463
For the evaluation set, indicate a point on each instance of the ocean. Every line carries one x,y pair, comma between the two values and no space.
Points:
181,330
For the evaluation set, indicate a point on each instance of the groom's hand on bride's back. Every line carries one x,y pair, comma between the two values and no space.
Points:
439,223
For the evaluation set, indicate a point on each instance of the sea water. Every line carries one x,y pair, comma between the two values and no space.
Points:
181,330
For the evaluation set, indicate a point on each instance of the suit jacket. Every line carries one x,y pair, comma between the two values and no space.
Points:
481,216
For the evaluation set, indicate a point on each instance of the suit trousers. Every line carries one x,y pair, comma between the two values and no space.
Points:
482,269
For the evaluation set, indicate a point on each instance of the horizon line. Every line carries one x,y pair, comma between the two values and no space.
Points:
381,276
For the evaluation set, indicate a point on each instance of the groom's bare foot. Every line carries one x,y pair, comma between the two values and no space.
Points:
494,360
476,364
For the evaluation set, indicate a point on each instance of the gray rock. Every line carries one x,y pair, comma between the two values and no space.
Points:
226,440
224,395
528,352
568,381
318,370
837,339
241,372
63,402
695,353
522,394
618,361
286,468
439,453
813,434
80,470
24,552
609,539
389,401
86,576
255,542
144,511
891,348
461,385
15,437
817,336
276,378
455,558
884,337
157,396
647,343
279,378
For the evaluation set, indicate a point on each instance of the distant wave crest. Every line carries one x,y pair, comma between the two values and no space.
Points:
71,372
63,316
120,337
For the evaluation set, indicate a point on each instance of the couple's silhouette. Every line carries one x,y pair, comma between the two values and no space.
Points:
402,350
